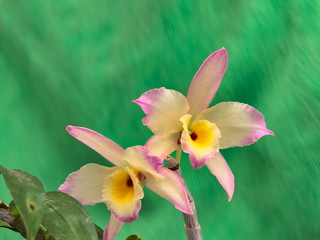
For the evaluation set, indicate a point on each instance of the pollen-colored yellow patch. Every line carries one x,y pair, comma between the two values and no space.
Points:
203,133
201,138
122,191
122,188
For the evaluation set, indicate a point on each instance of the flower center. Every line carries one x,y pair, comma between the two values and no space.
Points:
200,139
193,136
202,133
129,182
123,185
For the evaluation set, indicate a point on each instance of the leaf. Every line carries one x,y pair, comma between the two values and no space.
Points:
16,222
133,237
28,194
14,211
99,232
18,225
65,218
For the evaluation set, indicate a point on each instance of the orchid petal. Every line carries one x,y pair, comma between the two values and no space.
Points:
86,184
239,123
207,81
219,167
139,158
112,229
200,140
102,145
122,192
162,146
172,188
163,109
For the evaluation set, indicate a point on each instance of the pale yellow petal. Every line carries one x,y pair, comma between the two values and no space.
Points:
101,144
207,81
239,123
219,167
86,184
112,229
163,108
139,158
172,188
163,146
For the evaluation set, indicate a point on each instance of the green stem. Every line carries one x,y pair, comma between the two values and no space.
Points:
178,155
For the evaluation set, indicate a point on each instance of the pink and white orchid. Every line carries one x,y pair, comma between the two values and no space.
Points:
121,187
180,122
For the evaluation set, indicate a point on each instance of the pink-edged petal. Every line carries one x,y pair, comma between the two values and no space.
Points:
112,229
207,81
139,158
172,188
86,184
200,139
163,146
239,123
122,193
163,108
104,146
219,167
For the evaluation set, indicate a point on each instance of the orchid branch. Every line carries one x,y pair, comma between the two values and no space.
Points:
16,224
192,226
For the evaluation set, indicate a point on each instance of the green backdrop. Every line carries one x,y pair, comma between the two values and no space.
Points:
82,62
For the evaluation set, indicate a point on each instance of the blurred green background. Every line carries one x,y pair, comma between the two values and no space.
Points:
82,62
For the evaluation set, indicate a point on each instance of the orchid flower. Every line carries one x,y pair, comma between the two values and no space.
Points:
180,122
121,187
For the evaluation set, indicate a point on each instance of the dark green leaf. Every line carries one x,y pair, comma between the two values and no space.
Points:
14,211
133,237
28,194
18,225
17,222
65,218
99,232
